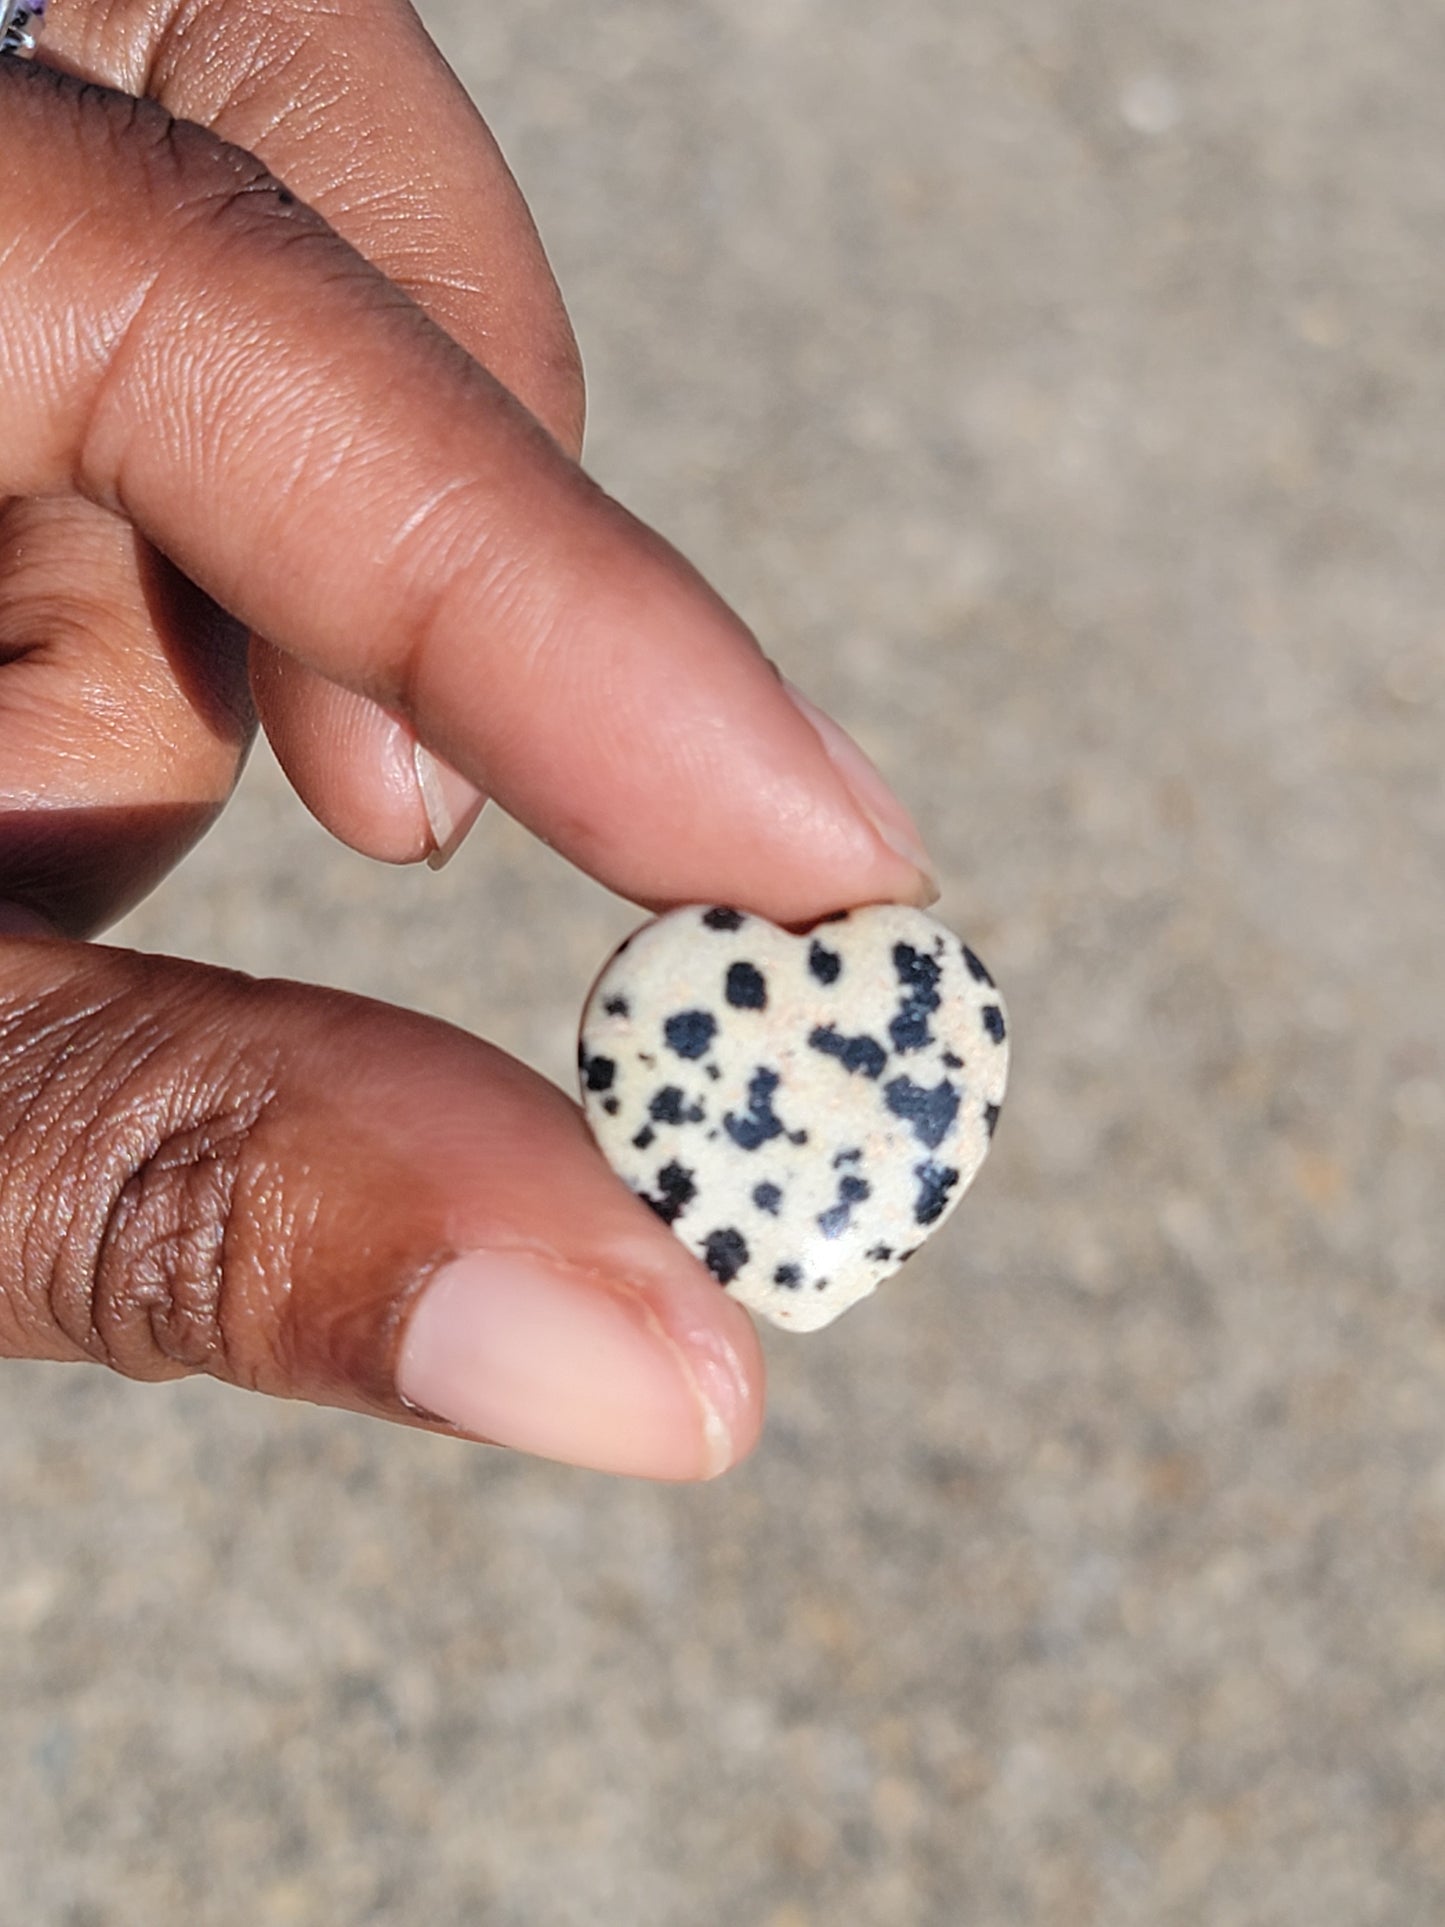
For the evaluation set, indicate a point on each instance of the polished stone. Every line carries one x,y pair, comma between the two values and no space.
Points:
804,1109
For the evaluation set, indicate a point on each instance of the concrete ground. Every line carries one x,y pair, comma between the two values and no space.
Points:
1058,389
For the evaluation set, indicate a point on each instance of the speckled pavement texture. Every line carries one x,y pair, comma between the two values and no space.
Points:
1058,389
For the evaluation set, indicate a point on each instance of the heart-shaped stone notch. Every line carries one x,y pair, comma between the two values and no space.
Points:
803,1110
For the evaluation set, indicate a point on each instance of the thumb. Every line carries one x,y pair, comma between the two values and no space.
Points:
318,1197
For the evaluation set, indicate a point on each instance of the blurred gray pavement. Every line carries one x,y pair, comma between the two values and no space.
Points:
1058,390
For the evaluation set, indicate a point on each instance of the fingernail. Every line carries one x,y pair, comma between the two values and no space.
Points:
570,1366
452,804
17,921
869,791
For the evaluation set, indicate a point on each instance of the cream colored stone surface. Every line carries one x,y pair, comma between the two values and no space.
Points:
804,1110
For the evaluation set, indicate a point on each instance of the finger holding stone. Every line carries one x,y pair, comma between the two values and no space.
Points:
316,1197
211,359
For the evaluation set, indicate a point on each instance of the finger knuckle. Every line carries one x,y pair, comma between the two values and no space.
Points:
158,167
200,180
167,173
157,1281
133,1187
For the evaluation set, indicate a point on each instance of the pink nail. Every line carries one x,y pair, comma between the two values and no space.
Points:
452,804
525,1352
870,792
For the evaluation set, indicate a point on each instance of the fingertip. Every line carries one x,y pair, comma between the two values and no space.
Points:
874,799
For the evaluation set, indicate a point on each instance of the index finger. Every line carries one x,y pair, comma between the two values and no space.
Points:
205,354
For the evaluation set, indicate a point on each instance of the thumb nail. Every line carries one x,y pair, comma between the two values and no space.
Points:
528,1353
870,793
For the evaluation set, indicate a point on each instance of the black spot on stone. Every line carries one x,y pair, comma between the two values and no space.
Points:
976,969
725,1253
834,1221
747,988
789,1276
935,1181
990,1117
760,1121
953,1063
825,964
598,1072
722,919
880,1254
611,1105
931,1112
676,1190
919,977
646,1057
713,1072
863,1056
820,1284
617,1007
853,1156
643,1138
767,1197
993,1022
690,1033
670,1106
797,1137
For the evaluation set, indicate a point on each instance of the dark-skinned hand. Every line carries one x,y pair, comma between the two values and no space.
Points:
291,418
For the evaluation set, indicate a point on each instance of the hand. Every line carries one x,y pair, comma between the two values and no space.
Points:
342,414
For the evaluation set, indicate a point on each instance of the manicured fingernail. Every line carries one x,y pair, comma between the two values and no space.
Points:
872,795
452,804
562,1363
17,921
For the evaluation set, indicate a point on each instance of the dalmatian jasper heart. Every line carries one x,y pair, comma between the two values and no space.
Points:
802,1110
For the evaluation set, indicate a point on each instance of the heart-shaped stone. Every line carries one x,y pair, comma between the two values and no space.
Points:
802,1110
